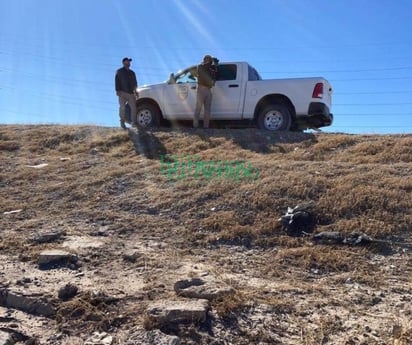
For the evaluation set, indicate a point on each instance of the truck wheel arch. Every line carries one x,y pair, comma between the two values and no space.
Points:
275,99
153,106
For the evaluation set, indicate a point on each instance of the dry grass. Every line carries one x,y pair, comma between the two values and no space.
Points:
72,341
230,304
95,173
98,178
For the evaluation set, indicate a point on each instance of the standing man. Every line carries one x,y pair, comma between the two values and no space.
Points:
205,81
126,90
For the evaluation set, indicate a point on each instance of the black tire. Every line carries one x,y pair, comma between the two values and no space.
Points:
148,115
274,117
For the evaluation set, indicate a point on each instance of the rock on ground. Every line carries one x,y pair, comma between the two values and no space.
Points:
55,256
154,337
30,303
10,336
5,338
76,243
48,237
202,288
99,339
67,292
166,311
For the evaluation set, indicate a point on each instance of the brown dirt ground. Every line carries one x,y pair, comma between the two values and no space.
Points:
102,186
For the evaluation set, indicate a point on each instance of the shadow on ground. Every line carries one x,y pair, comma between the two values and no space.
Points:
147,141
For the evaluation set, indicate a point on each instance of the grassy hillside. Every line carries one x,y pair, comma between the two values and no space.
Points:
144,185
358,183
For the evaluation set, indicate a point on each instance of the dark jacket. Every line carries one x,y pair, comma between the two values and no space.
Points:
125,80
206,75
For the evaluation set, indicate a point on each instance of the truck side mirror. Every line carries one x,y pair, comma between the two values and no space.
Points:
172,79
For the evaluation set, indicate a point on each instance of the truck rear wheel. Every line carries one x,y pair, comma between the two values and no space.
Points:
274,117
148,115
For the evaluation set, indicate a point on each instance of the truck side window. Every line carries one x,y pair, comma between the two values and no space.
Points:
227,72
253,74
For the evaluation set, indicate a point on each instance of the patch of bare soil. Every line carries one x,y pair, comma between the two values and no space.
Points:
97,225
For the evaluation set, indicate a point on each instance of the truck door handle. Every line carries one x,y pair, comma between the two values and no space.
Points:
193,87
233,85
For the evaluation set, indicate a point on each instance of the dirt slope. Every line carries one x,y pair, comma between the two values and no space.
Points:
185,202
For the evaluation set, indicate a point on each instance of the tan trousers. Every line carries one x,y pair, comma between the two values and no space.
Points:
129,98
203,99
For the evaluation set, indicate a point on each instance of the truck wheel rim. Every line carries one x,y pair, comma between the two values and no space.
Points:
273,120
144,117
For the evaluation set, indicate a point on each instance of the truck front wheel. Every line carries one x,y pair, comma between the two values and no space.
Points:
148,115
274,117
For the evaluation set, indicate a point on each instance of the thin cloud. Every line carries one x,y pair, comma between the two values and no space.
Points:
196,22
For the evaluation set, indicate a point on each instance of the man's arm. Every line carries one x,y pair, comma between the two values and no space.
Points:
214,73
135,85
117,82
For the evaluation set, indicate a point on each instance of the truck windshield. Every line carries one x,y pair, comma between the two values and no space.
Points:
186,76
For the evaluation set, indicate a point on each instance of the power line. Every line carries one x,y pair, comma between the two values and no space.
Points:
66,99
60,79
371,104
96,65
369,127
334,93
140,67
372,115
363,79
40,43
24,51
14,111
350,70
371,93
54,78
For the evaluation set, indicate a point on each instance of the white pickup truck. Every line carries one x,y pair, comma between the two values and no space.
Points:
240,94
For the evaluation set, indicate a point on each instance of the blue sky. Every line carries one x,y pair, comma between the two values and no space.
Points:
58,58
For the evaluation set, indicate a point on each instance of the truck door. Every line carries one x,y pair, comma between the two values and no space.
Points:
227,92
179,98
